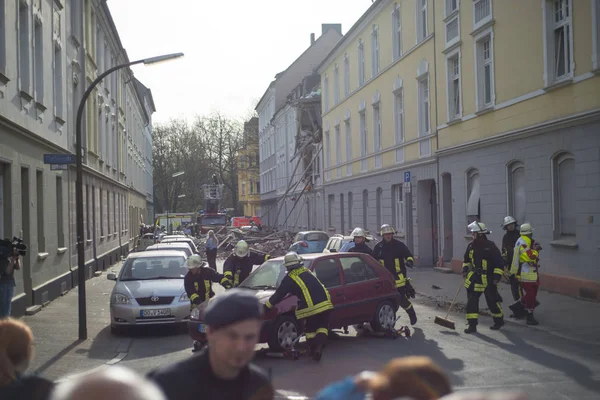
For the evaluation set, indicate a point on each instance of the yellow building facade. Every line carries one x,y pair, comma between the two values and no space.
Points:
249,171
492,107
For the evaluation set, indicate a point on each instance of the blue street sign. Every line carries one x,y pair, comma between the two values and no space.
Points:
407,176
59,158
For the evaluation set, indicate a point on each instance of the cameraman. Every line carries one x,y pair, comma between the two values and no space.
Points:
7,281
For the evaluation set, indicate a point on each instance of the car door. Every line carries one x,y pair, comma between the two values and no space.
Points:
328,271
361,285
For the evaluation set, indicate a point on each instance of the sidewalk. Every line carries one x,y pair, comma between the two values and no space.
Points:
563,316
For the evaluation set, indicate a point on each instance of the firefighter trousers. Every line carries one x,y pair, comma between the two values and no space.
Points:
405,303
515,288
316,329
491,298
530,297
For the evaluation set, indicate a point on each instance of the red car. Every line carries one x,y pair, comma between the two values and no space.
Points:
361,291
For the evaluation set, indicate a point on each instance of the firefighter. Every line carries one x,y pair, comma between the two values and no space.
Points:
482,264
314,302
508,245
395,257
359,237
198,284
239,265
525,265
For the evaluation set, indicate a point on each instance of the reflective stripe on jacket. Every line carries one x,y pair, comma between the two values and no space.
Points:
393,257
525,260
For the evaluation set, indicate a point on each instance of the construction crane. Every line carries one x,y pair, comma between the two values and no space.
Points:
212,218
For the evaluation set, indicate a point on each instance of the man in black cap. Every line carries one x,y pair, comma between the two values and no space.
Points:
222,371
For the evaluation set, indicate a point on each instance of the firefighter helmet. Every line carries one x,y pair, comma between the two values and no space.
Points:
478,227
241,248
526,229
195,261
508,220
386,228
358,232
292,260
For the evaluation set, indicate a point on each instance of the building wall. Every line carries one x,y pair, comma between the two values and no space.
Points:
249,170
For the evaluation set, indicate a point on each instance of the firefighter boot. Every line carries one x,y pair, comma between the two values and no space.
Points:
317,352
531,319
498,323
518,310
472,328
412,315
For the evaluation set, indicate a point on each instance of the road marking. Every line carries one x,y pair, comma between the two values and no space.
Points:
119,357
116,359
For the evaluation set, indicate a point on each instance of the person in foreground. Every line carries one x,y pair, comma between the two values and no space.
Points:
114,383
222,370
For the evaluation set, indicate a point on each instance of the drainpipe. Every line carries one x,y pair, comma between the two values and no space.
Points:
437,163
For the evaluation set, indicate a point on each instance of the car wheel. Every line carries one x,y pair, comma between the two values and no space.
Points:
385,317
285,330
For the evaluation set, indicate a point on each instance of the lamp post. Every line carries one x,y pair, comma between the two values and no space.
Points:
79,183
175,175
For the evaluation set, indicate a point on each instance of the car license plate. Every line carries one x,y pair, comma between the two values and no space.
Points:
155,313
201,328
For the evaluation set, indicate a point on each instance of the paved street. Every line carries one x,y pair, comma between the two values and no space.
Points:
540,362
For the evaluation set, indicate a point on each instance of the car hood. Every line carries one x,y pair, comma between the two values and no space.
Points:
264,295
159,287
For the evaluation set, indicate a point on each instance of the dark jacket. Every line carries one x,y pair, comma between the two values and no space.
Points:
199,287
27,388
194,379
483,257
393,256
236,269
508,246
361,248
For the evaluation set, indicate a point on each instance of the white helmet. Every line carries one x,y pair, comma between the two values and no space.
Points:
195,261
526,229
478,227
292,260
386,228
241,248
358,232
508,220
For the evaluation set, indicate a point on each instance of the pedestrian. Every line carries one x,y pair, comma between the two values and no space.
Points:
395,257
508,246
9,263
482,271
198,284
212,245
223,370
16,352
239,265
525,266
314,302
359,237
114,383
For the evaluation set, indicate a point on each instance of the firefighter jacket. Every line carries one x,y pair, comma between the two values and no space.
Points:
482,263
508,246
199,286
394,256
525,260
313,297
236,269
361,248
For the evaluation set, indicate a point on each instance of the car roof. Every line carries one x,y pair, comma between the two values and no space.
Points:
155,254
166,245
312,256
175,236
305,232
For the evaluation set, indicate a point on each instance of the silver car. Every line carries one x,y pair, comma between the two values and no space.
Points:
149,290
185,247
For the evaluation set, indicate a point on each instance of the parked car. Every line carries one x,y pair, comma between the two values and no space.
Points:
178,246
149,290
309,242
146,240
340,243
181,240
361,291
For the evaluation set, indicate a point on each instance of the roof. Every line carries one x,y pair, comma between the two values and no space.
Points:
169,244
265,94
309,256
156,254
354,27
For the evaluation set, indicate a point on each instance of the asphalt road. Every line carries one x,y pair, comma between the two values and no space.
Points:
519,358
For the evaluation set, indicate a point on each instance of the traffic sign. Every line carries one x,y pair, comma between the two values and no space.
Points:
59,167
407,176
59,158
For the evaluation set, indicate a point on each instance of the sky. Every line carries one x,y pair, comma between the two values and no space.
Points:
233,49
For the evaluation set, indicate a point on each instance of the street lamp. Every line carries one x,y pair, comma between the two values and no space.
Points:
79,183
175,175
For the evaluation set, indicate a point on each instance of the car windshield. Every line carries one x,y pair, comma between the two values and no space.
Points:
185,249
316,237
268,276
148,268
214,220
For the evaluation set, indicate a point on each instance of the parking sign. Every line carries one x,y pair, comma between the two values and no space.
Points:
407,176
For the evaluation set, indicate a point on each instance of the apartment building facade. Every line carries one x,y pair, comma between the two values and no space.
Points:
57,48
248,170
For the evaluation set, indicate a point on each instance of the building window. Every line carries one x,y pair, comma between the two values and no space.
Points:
350,209
115,210
377,133
5,200
454,98
399,122
243,188
595,33
2,42
39,180
108,212
558,41
399,220
342,216
473,196
348,129
336,84
361,62
101,207
379,195
484,59
421,20
396,33
365,200
424,128
338,150
374,51
24,54
58,82
331,202
482,13
363,141
327,155
346,75
516,190
565,206
38,60
326,93
452,31
87,212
